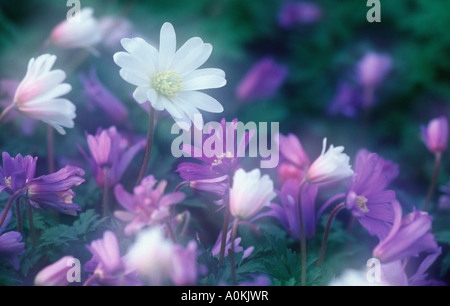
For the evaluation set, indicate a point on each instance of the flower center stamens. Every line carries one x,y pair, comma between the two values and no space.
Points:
219,158
8,182
361,201
168,83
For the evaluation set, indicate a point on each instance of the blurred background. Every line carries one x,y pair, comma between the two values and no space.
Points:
318,46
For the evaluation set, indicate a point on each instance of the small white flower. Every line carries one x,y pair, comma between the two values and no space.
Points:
169,79
250,193
151,256
39,94
84,33
330,166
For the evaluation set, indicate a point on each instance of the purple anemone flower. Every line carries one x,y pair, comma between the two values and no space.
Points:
262,81
54,190
147,206
293,159
373,68
56,273
408,237
395,273
16,172
112,150
107,266
367,197
100,96
287,212
10,244
299,13
213,175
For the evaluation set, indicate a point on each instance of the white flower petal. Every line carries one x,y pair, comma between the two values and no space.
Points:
133,78
204,79
142,51
192,112
194,59
167,46
133,65
140,94
202,101
190,45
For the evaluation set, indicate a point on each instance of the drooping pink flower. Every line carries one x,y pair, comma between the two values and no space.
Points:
294,159
299,13
262,81
56,273
82,33
39,94
147,206
250,193
435,135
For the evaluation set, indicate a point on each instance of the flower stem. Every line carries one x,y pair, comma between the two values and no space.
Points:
302,232
171,232
6,111
327,230
105,191
233,237
8,205
31,225
18,215
437,164
50,152
90,280
148,148
226,221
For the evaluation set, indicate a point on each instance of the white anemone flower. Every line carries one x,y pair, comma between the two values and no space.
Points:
332,165
250,193
170,79
39,94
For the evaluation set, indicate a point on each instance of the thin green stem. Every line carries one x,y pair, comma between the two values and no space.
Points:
18,215
226,221
31,225
171,232
302,232
105,192
327,231
50,151
6,111
233,237
148,148
437,164
8,205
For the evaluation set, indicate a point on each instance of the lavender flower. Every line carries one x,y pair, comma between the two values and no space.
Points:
262,81
107,266
435,135
213,175
367,197
408,237
147,206
16,172
100,96
184,265
54,190
10,244
109,148
299,13
293,159
287,212
55,274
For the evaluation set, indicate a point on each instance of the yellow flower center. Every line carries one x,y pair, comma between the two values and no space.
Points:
8,182
219,158
168,83
361,202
